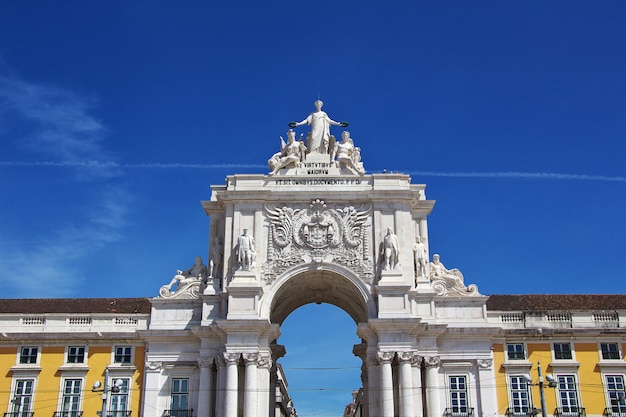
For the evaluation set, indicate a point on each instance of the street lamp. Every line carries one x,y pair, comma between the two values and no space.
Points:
117,385
541,384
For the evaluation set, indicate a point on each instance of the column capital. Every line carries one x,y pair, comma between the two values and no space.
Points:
154,366
484,363
432,361
251,358
230,358
265,361
205,362
386,356
410,356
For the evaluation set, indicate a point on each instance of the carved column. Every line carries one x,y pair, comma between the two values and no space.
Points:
220,385
251,385
386,379
432,385
264,366
205,396
405,361
232,383
153,376
373,385
416,369
488,401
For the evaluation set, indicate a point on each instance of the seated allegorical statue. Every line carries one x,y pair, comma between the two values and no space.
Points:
348,156
196,274
290,155
448,281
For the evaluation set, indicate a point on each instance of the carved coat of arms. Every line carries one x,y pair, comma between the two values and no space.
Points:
318,234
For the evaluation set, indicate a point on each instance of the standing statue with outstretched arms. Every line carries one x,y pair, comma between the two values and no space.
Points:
319,137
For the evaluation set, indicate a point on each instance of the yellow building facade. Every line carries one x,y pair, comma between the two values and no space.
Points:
68,358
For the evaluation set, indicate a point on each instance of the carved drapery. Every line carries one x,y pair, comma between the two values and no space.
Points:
318,234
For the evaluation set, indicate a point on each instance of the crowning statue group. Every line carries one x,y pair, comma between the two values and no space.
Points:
318,141
293,153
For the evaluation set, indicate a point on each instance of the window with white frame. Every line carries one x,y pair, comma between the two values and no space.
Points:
562,351
520,395
568,394
515,351
123,354
76,354
28,354
119,401
615,392
179,397
610,351
22,398
70,402
458,394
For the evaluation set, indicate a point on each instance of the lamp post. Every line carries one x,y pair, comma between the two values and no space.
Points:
541,384
105,390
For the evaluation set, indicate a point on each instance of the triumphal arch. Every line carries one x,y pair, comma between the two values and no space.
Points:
317,228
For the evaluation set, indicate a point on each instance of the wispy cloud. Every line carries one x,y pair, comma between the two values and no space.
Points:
95,164
521,175
55,123
49,267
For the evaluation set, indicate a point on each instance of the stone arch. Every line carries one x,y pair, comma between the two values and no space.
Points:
328,283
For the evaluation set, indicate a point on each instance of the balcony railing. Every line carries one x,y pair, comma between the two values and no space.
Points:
20,414
117,413
520,412
178,413
68,414
570,412
614,412
458,412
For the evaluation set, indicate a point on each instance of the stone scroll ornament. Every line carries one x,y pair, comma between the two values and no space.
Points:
318,234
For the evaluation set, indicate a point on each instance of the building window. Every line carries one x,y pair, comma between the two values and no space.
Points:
520,396
28,354
562,351
180,398
123,354
610,350
568,395
76,354
119,400
458,395
615,393
70,403
515,351
22,398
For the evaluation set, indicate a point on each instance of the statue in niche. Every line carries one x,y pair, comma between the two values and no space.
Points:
391,248
217,255
319,139
189,281
246,253
348,156
290,155
421,258
449,281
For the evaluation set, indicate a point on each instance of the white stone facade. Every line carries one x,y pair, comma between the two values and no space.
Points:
317,230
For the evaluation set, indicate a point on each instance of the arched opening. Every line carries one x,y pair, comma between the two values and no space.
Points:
321,370
318,311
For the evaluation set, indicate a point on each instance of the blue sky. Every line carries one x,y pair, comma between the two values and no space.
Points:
116,117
